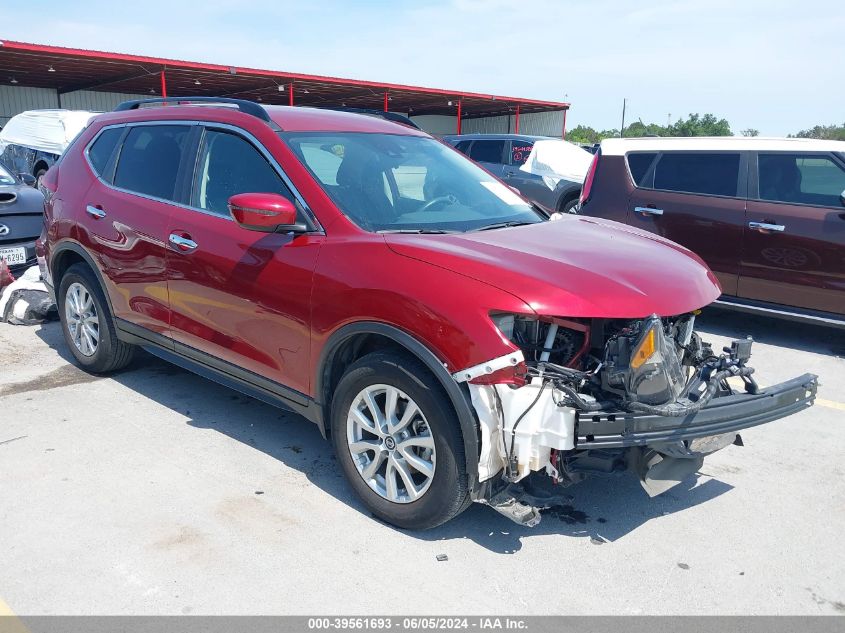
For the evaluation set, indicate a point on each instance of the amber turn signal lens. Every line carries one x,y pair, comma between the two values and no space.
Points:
644,350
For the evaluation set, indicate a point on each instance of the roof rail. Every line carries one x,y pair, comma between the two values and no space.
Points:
247,107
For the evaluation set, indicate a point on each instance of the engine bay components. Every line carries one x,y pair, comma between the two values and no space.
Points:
601,396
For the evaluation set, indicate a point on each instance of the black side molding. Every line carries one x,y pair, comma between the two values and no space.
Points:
220,371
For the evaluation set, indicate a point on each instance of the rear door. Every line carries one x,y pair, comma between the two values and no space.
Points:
240,299
795,241
490,154
124,225
696,199
530,185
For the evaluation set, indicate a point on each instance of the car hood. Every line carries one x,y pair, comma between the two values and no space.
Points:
576,266
17,199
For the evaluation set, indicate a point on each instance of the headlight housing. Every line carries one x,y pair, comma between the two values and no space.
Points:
645,364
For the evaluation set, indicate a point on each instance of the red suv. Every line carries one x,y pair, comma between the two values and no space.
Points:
455,344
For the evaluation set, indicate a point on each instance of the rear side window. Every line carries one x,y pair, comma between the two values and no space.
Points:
801,179
100,153
712,174
487,151
228,165
150,158
639,164
520,151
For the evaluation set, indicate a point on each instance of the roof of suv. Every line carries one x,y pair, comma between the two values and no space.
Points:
620,146
289,119
494,137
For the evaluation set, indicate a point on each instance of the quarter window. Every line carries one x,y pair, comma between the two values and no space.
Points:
520,151
639,164
801,179
487,151
229,165
712,174
101,151
150,158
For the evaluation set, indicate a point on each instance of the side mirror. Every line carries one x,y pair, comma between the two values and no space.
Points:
266,212
27,179
842,198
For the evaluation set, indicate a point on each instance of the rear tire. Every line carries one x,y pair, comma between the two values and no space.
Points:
87,324
570,206
424,457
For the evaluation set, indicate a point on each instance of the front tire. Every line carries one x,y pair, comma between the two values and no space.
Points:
87,323
398,441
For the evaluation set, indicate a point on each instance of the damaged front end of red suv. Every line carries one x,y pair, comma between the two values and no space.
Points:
602,396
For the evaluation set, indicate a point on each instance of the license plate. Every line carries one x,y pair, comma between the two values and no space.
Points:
13,256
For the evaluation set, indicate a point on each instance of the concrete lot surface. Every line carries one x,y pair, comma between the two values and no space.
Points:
158,492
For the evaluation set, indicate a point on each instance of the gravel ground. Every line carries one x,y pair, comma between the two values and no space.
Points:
158,492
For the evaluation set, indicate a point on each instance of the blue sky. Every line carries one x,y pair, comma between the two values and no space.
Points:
773,65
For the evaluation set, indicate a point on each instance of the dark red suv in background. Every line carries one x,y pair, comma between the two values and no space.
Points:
454,343
767,215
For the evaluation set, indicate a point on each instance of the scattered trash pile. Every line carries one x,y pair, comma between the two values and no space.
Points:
24,301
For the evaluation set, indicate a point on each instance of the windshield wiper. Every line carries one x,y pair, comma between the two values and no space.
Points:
503,225
417,231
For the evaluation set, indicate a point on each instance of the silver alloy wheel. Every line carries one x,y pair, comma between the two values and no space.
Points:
391,443
81,318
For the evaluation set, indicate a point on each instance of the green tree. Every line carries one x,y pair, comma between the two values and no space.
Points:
827,132
750,132
697,125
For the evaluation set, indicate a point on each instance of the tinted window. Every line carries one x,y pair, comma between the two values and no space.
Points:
463,146
150,158
801,179
101,151
714,174
639,164
520,151
229,164
487,151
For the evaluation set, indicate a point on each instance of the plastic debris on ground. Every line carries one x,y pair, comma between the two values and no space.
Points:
25,301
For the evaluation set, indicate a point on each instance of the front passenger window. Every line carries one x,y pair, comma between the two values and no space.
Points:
229,165
801,179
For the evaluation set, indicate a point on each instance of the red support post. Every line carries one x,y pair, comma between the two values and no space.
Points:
564,123
290,94
163,85
459,117
385,101
516,122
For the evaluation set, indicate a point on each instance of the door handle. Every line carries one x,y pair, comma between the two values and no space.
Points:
184,244
95,212
648,210
765,226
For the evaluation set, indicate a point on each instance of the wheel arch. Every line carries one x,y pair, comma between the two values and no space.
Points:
352,341
39,165
65,255
567,194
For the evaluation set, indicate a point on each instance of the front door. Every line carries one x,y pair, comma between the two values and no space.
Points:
696,199
795,240
490,154
240,296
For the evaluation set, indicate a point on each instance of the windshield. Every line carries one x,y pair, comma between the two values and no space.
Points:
386,182
5,177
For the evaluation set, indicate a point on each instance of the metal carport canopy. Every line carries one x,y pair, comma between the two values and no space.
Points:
69,69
